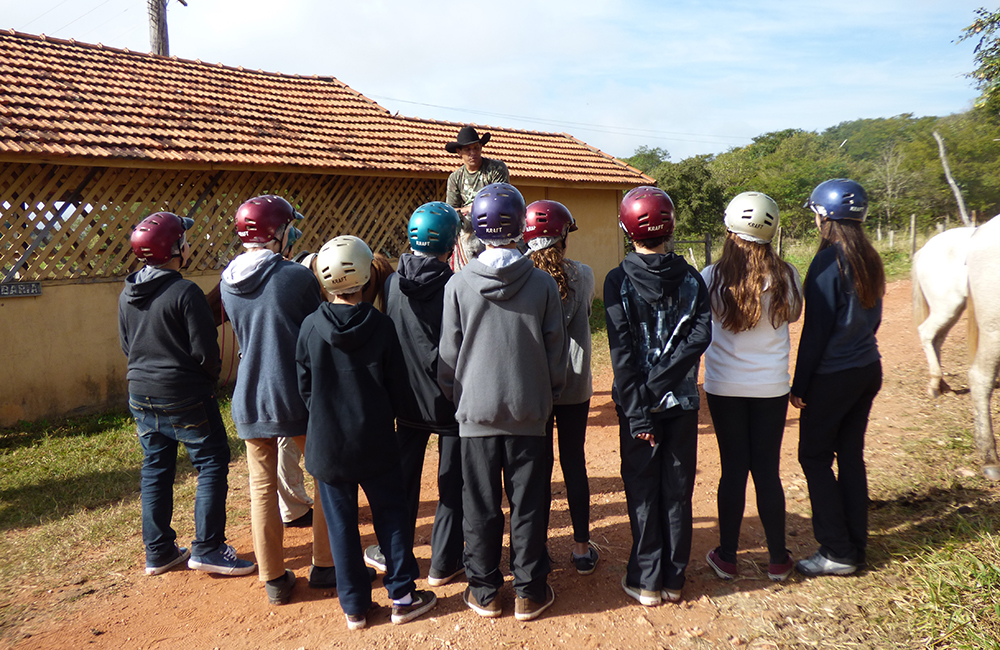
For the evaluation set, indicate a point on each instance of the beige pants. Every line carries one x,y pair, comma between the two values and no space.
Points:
265,517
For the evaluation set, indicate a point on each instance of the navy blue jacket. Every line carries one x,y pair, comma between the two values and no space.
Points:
837,332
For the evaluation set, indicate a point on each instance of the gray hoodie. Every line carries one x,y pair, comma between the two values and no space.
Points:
503,350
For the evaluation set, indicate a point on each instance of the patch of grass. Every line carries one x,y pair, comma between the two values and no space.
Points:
69,505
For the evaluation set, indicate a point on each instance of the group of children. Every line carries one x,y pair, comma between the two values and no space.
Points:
494,358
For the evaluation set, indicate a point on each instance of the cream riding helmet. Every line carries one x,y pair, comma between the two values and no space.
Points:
344,264
753,216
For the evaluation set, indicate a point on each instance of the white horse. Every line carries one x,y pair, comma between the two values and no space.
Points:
940,288
983,261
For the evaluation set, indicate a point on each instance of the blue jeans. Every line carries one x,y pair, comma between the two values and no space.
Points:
161,424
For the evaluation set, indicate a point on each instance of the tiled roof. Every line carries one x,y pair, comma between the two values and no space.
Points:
60,98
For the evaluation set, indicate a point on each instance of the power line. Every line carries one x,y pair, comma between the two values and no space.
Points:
81,36
82,16
600,128
44,13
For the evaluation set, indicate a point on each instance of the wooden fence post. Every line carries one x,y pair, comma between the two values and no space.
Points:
708,249
913,234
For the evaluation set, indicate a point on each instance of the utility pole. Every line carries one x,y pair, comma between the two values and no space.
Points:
159,42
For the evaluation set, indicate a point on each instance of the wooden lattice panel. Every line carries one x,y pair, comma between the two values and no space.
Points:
62,222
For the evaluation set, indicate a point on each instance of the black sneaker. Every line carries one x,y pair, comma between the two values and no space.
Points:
436,578
423,601
305,521
323,577
374,558
279,590
585,565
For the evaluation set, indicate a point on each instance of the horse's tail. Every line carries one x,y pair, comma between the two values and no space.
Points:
972,333
920,308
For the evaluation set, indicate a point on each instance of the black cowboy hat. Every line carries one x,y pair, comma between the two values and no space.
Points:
466,137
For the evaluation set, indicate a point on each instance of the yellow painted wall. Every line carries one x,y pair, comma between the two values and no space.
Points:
598,242
60,351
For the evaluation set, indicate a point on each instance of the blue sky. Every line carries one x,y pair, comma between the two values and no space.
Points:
690,77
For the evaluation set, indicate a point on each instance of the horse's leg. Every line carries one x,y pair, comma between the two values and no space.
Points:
982,374
932,334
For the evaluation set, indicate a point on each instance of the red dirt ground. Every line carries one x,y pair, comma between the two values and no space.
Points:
185,609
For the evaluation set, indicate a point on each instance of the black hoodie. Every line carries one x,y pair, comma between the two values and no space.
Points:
659,323
352,376
168,334
414,298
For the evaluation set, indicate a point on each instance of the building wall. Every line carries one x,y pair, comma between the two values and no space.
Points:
598,242
62,353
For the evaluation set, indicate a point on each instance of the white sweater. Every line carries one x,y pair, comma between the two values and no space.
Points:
752,363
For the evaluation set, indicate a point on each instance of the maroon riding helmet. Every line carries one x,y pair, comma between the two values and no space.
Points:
154,238
259,220
647,212
547,219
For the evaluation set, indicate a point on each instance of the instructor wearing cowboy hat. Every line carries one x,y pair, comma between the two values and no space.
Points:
475,173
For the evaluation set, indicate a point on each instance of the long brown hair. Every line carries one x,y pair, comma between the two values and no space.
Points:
552,260
860,255
739,280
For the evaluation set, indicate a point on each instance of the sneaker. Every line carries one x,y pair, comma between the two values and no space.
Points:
359,621
782,570
586,564
493,610
644,596
182,555
671,595
305,521
723,569
323,577
222,560
374,558
437,578
423,601
820,565
279,590
526,609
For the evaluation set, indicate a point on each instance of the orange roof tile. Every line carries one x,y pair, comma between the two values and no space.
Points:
62,98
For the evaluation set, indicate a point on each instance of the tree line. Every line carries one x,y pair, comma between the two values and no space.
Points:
896,160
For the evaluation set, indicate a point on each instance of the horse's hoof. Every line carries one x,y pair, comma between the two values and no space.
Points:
992,472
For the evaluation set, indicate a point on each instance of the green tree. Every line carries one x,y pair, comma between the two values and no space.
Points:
987,55
647,160
697,197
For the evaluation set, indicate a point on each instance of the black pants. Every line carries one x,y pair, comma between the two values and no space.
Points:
832,425
659,484
571,420
446,537
518,464
749,431
412,447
